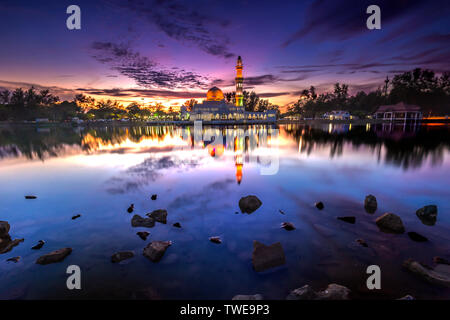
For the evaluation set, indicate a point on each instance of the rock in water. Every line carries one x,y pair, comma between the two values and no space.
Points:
266,257
287,226
416,237
138,221
6,244
143,234
39,245
428,215
351,220
30,197
319,205
215,240
249,204
440,275
159,215
122,255
130,208
54,256
14,259
362,242
154,196
281,211
155,250
177,225
390,223
407,297
334,292
370,204
76,216
303,293
4,229
248,297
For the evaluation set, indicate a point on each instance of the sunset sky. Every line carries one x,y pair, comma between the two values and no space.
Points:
170,51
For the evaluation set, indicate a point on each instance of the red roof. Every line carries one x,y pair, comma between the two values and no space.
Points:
399,107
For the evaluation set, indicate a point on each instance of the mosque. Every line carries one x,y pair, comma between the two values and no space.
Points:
215,108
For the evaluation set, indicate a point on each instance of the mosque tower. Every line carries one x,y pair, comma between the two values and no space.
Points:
239,80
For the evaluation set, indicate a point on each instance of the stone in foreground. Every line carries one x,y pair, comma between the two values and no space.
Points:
249,204
440,275
248,297
54,256
267,257
287,226
390,223
143,234
334,292
154,196
215,240
39,245
417,237
6,243
319,205
428,215
122,255
351,220
138,221
155,250
303,293
159,215
370,204
4,228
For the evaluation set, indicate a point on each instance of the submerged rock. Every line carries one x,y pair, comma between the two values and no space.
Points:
407,297
177,225
6,244
14,259
30,197
303,293
154,196
334,292
39,245
215,240
130,208
416,237
155,250
351,220
428,215
248,297
54,256
390,223
440,275
138,221
281,211
249,204
370,204
122,255
159,215
267,257
362,242
287,226
143,234
319,205
76,216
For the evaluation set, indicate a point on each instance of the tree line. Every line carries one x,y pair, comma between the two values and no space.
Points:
419,87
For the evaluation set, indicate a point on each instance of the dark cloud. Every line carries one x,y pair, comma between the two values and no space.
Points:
184,23
144,93
145,72
340,20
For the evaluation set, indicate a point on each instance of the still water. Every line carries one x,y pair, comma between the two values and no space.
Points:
99,172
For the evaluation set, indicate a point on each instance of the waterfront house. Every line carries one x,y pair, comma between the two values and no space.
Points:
400,111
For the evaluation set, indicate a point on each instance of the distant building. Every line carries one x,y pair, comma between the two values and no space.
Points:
337,115
399,111
42,120
216,108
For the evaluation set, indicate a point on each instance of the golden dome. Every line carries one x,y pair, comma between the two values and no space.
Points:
214,94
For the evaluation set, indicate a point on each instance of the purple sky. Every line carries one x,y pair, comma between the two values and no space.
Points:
170,51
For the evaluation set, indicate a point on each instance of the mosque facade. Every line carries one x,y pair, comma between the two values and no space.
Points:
215,107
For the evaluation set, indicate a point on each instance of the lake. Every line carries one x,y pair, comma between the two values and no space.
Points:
199,175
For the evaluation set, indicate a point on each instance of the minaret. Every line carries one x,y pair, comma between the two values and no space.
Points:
239,79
